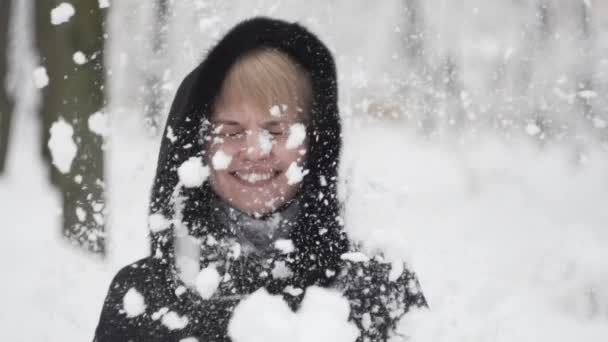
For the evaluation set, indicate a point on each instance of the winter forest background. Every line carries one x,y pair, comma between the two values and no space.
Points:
475,149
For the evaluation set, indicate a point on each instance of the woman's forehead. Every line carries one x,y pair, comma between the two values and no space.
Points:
246,109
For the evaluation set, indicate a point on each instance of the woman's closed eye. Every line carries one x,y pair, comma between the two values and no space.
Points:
229,131
234,134
277,132
279,129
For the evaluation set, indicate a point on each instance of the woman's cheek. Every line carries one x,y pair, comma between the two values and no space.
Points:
221,159
302,154
219,156
288,156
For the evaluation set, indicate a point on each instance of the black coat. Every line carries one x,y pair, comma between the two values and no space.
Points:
365,284
377,301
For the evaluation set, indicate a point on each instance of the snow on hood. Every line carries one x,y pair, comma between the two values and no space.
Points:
318,232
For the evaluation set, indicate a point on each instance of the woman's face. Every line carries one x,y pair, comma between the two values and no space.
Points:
250,152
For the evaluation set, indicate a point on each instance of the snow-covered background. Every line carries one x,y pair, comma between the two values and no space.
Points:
475,149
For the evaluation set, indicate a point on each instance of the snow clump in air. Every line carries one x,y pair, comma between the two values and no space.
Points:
81,214
173,321
354,257
265,142
158,222
323,317
281,270
189,339
284,245
98,123
170,135
294,291
79,58
396,271
62,13
278,110
104,3
133,303
275,111
207,282
62,146
599,123
532,129
297,134
180,290
41,78
294,173
192,173
159,313
276,324
221,160
587,94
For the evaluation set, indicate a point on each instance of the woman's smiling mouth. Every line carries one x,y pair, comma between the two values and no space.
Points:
255,178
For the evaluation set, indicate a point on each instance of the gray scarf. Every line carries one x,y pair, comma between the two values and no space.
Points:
258,235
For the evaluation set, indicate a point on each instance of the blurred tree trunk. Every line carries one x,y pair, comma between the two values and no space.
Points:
75,91
6,105
454,94
546,24
413,36
586,63
536,119
451,112
154,78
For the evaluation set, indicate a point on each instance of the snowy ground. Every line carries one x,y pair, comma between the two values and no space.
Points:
509,239
53,291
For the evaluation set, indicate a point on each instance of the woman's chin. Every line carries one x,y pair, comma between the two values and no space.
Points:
255,210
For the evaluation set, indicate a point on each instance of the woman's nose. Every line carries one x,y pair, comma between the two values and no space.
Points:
258,145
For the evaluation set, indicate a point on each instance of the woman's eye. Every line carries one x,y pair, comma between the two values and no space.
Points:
279,130
228,132
233,134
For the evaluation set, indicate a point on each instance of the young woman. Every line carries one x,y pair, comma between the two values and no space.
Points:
245,198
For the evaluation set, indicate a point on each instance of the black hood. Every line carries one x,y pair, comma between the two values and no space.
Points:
318,235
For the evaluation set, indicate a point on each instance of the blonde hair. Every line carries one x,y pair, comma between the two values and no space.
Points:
268,77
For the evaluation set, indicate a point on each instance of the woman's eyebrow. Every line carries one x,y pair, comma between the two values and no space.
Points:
273,123
225,122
